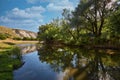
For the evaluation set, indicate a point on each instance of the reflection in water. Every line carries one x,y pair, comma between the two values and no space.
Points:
81,64
64,63
27,48
33,68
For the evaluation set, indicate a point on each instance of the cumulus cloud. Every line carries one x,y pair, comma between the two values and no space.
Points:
32,17
29,17
58,5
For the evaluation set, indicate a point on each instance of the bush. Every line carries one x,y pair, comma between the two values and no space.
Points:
17,38
3,36
26,38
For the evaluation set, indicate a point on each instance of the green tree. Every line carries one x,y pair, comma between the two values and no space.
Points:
90,15
66,22
48,32
114,22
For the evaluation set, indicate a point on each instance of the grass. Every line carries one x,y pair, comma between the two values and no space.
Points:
13,42
5,47
7,63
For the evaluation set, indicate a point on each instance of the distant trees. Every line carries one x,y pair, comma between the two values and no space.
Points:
48,32
53,31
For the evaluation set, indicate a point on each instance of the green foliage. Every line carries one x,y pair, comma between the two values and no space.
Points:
17,38
48,32
3,36
9,59
27,38
87,24
54,31
24,38
90,15
115,23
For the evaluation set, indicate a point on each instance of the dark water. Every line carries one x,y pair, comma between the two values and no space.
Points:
65,63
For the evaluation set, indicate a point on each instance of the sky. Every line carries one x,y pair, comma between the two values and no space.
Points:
30,14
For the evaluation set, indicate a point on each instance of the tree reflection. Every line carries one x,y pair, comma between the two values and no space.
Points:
81,64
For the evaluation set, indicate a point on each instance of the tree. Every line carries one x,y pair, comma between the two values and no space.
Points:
91,14
48,32
114,22
54,31
67,23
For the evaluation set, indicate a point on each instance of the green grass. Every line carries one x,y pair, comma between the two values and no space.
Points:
7,63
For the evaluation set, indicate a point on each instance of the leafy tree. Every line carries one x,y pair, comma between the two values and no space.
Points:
54,31
48,32
66,22
114,22
90,15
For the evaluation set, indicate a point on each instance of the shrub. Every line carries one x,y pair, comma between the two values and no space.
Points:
17,38
3,36
26,38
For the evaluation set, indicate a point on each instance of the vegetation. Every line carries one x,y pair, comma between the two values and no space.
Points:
51,32
9,60
3,36
7,32
24,38
114,21
11,34
92,22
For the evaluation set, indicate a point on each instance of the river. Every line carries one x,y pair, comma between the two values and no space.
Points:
65,63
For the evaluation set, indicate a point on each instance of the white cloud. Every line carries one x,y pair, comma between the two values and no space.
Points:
58,5
37,1
35,9
29,17
33,12
32,17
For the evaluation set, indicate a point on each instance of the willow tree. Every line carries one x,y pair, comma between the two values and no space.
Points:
91,14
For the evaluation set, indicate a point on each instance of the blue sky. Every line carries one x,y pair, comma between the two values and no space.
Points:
30,14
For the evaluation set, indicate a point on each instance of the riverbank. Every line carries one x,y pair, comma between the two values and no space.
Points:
9,60
9,43
17,41
10,57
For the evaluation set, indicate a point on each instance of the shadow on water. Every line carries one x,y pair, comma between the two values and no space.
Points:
65,63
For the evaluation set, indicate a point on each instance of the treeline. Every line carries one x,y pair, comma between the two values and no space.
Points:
92,22
24,38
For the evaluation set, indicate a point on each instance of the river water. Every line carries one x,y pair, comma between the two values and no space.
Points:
65,63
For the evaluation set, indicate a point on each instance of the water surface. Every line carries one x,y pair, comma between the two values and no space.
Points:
65,63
